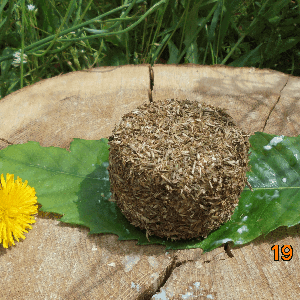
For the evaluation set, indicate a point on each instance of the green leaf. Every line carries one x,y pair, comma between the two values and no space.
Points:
249,59
115,57
192,54
275,201
76,184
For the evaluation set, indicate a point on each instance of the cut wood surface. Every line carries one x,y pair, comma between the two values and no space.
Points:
61,261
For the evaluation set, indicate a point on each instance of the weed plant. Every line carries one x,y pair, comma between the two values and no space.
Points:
40,39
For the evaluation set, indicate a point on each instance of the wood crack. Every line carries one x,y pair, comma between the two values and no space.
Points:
271,110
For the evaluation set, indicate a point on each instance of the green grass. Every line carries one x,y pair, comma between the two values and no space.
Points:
64,36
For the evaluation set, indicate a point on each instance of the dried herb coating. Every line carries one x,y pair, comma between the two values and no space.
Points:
178,167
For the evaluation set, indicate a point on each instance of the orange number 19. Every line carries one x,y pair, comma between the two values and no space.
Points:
286,250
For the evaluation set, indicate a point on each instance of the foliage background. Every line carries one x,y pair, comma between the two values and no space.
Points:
64,36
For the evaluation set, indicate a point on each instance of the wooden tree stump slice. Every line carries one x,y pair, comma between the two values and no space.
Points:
61,261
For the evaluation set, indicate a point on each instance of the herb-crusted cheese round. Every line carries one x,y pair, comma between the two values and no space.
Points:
177,167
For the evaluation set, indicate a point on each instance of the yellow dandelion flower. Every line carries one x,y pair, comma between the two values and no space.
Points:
17,204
